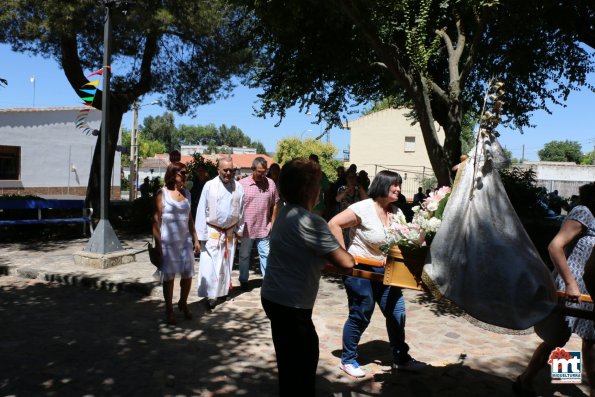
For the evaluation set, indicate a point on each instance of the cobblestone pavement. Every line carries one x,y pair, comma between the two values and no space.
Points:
107,337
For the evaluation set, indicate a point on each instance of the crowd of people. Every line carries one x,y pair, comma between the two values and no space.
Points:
300,222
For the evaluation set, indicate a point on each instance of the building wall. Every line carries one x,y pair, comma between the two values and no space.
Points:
55,156
566,178
378,141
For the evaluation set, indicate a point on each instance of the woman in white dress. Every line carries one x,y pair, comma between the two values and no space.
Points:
175,238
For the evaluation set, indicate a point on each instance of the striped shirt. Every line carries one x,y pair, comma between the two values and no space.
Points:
259,200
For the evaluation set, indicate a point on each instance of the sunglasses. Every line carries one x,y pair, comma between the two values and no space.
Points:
182,173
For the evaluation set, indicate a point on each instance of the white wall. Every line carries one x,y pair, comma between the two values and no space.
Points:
50,145
378,142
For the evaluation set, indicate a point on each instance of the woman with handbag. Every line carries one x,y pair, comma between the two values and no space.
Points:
175,238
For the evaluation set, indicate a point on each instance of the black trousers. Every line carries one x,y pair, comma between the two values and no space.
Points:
296,346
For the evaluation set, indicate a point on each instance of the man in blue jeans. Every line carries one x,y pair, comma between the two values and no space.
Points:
260,200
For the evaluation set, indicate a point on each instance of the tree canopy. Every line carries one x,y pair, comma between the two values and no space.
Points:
291,148
162,128
185,51
561,151
435,56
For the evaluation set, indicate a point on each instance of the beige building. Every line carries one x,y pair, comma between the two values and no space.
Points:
387,140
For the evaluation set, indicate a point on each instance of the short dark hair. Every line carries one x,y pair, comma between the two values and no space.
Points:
298,177
382,182
259,160
314,157
170,173
174,156
587,196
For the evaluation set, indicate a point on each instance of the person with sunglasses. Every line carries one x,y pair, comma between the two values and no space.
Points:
175,238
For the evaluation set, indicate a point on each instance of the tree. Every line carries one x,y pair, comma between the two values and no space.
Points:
588,158
146,148
212,137
437,56
291,148
186,52
162,129
561,151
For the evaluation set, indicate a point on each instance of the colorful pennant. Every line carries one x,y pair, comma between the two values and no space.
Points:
87,93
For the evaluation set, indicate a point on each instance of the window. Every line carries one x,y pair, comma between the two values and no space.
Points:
10,163
409,144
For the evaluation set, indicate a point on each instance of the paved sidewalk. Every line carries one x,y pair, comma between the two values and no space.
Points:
107,337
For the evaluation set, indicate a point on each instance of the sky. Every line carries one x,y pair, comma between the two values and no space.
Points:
50,88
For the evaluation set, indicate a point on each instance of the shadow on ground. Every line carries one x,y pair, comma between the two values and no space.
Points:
70,341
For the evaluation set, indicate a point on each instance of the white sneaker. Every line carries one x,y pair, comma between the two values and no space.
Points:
412,366
353,370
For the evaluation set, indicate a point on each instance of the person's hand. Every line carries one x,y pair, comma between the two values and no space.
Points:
572,291
196,247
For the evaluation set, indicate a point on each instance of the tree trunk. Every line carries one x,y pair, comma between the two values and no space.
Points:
93,187
436,153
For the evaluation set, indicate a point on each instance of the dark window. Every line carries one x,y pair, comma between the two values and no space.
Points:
10,163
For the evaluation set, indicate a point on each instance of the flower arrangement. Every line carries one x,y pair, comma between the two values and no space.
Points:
427,218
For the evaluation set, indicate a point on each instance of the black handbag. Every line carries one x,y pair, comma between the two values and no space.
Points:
154,255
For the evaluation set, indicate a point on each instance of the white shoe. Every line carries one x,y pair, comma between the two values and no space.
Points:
353,370
412,366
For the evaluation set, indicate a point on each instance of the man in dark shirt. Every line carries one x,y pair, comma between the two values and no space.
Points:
201,177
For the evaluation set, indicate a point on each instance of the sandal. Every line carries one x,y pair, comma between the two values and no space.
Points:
183,307
170,317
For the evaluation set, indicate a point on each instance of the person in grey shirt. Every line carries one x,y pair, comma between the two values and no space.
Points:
301,244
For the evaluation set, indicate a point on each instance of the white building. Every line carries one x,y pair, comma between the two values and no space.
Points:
565,177
387,140
189,150
43,153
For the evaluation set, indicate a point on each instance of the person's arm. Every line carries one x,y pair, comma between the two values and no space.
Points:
157,221
340,258
343,192
568,232
200,219
589,275
276,198
239,229
343,220
192,231
363,194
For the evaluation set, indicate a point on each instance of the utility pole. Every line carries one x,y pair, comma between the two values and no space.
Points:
523,155
134,151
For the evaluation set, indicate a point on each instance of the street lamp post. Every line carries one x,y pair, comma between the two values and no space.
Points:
134,159
133,151
303,132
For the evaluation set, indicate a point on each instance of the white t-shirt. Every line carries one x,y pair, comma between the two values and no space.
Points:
298,241
369,235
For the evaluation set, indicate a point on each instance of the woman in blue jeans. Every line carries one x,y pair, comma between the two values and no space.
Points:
367,220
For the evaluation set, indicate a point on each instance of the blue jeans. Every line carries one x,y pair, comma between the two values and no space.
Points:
362,295
262,244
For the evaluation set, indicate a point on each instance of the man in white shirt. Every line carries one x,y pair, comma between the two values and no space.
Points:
219,222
